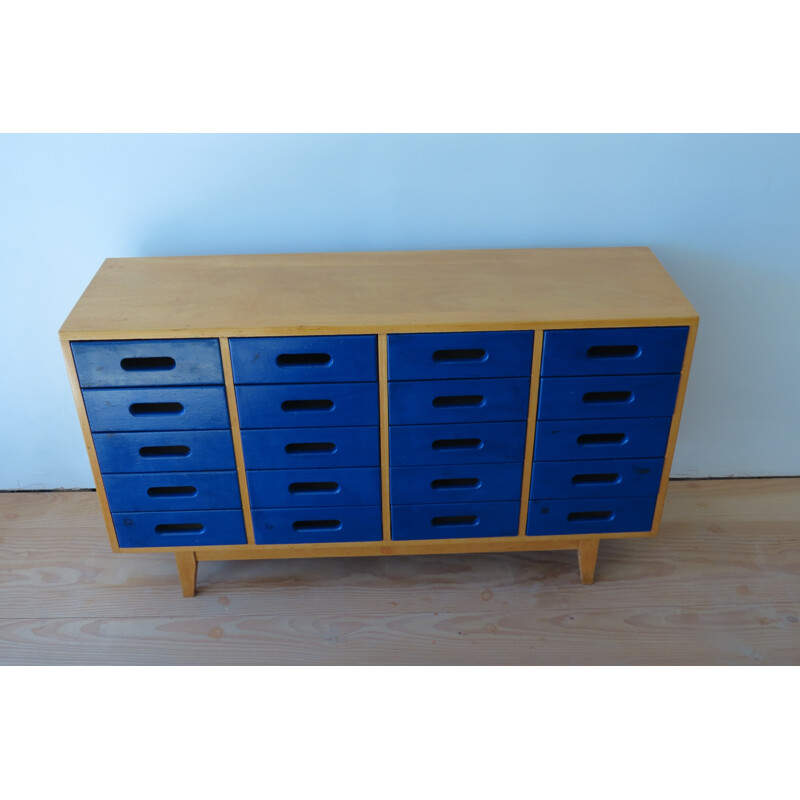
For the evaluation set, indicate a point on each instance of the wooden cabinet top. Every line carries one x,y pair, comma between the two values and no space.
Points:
384,292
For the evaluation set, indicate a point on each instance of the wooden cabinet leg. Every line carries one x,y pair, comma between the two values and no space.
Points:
587,559
187,571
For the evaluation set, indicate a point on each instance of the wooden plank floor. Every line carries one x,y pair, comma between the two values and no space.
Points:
720,585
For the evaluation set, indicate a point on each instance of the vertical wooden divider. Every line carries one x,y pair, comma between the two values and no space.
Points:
383,395
527,464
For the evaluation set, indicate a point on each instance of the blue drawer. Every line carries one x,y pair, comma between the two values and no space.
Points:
455,521
179,528
472,443
434,356
565,517
148,362
494,400
164,451
456,483
172,491
576,440
636,477
172,408
318,525
309,448
613,351
310,488
308,405
602,397
305,359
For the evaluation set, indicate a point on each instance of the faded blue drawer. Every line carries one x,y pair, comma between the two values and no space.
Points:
309,448
472,443
317,525
455,521
304,359
637,477
434,356
308,405
618,515
148,362
604,397
171,408
179,528
576,440
493,400
456,483
164,451
172,491
309,488
614,351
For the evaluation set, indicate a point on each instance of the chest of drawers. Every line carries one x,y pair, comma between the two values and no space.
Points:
395,403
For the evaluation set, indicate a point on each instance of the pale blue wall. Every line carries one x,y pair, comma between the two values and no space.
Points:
721,212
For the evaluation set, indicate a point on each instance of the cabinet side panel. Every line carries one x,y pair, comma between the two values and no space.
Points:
383,400
527,463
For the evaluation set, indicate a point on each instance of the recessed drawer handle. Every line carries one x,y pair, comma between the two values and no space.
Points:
456,483
314,487
307,405
147,363
172,491
596,477
180,527
614,351
459,356
457,444
608,397
461,519
164,451
459,401
298,448
590,516
317,525
602,438
153,409
303,360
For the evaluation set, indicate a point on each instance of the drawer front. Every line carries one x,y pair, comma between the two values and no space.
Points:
308,405
179,408
603,397
179,528
456,483
613,351
619,515
475,443
432,356
164,451
310,488
305,359
455,521
173,491
638,477
317,525
577,440
310,448
422,402
148,362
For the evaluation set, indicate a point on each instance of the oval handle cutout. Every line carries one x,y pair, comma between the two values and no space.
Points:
608,397
180,527
458,519
459,356
303,360
456,483
147,363
596,478
164,451
614,351
590,516
311,525
172,491
301,448
459,401
307,405
314,487
602,438
155,409
457,444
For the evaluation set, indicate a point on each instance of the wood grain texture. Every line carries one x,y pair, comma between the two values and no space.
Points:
718,586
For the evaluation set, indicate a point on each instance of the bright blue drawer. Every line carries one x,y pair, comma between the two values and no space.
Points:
455,521
565,517
172,491
576,440
456,483
317,525
310,488
179,528
434,356
308,405
148,362
164,451
171,408
472,443
492,400
603,397
613,351
309,448
637,477
304,359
